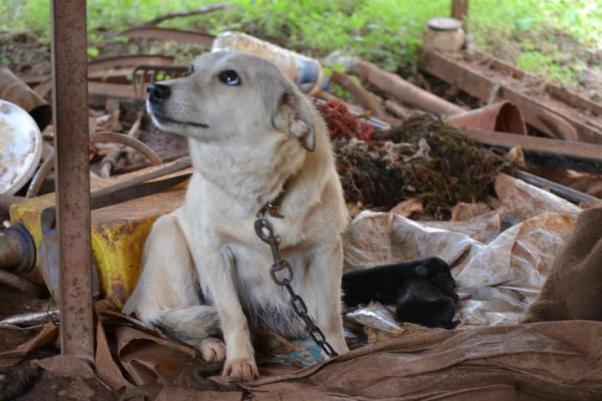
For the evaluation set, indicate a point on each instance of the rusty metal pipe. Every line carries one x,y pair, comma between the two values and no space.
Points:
404,91
38,179
11,250
22,285
17,249
72,181
6,201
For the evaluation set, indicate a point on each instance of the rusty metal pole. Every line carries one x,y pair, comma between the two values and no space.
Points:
72,183
459,9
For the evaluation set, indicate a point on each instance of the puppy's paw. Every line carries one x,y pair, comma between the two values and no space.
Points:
212,349
243,369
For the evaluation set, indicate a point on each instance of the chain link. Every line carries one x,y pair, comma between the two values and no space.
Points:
282,274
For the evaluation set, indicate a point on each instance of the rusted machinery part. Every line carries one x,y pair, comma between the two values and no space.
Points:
125,140
558,126
357,90
22,285
17,249
110,161
102,137
403,90
570,194
112,137
38,179
6,201
501,116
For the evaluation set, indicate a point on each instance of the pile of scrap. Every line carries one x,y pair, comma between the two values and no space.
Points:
494,190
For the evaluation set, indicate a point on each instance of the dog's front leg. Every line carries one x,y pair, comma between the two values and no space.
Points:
324,282
216,271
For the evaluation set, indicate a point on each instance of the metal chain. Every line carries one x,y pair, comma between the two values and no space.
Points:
282,274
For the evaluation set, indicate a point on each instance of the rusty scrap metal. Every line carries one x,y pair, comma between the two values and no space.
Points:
22,285
176,35
562,94
99,137
404,91
109,90
31,319
38,179
70,99
570,194
397,109
500,116
459,9
17,249
127,61
365,98
574,100
14,90
145,74
112,137
481,80
111,159
6,201
545,152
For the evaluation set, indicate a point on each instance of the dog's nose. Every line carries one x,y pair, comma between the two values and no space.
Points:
158,93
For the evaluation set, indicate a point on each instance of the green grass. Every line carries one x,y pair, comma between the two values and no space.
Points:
553,38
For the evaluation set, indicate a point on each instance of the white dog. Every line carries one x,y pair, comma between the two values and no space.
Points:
252,135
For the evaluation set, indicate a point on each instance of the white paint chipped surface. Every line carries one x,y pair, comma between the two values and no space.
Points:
20,147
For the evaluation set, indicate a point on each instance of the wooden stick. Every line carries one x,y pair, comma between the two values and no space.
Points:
198,11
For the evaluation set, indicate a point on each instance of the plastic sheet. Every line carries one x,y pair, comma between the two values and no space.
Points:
502,277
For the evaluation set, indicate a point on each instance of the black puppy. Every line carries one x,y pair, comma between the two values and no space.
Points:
424,303
423,290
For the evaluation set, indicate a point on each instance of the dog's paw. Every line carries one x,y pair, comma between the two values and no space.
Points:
241,369
212,349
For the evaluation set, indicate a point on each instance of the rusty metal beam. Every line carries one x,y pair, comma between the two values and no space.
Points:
127,61
487,82
459,9
553,153
402,90
115,91
176,35
70,96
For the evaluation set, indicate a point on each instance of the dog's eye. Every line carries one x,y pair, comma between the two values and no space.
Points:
229,77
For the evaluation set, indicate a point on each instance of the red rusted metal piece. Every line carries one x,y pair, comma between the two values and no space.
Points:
70,98
176,35
403,90
553,153
127,61
500,116
459,9
488,79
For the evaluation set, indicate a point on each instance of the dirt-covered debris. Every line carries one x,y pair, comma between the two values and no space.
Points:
425,159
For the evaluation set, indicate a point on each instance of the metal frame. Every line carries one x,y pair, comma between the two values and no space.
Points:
72,182
459,9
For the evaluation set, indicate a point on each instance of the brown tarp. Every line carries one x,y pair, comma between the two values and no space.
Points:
540,361
574,287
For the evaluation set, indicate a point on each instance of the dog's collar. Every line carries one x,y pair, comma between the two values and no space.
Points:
273,207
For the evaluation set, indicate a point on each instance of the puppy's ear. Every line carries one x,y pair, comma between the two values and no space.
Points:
294,116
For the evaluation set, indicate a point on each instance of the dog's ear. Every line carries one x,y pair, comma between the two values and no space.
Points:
294,116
